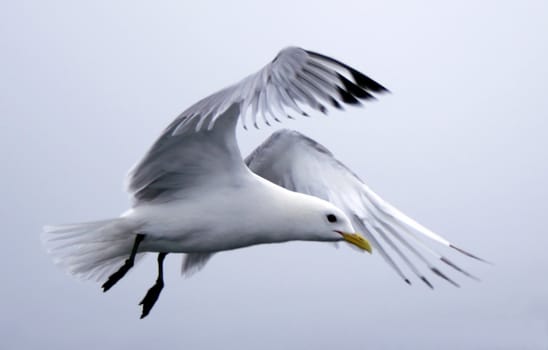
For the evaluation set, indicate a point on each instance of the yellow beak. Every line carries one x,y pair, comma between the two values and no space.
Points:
357,240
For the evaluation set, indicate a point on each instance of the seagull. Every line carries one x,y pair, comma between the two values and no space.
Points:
194,194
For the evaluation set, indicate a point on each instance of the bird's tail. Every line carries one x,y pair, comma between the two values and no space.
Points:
91,250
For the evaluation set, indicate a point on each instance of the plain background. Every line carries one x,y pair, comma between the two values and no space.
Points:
460,145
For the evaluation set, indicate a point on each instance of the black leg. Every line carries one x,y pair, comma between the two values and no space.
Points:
128,264
154,292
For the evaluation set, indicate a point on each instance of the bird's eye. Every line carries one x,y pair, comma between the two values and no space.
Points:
331,218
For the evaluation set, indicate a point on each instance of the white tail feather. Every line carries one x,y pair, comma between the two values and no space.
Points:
90,250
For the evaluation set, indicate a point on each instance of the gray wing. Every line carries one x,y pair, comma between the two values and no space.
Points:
200,147
187,160
300,164
194,262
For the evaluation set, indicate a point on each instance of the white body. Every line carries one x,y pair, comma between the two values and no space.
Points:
252,210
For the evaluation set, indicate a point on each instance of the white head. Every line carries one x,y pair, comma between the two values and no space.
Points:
308,218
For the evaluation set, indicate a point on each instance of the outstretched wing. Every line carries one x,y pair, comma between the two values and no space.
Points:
197,146
300,164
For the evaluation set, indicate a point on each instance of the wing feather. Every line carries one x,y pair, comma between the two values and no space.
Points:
300,164
290,72
194,262
295,80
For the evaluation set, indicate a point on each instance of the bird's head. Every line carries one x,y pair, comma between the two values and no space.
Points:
322,221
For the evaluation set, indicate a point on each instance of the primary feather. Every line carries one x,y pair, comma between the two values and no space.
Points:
298,163
294,80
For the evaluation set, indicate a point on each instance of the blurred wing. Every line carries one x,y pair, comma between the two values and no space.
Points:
300,164
189,159
195,149
194,262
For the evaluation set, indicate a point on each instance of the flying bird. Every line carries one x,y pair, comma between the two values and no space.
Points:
193,193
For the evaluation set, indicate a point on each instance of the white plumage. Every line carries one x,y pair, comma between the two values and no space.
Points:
193,193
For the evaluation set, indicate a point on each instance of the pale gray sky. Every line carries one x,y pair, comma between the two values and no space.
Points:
460,145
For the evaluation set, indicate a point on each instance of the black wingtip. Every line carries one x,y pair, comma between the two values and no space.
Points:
442,275
462,251
347,97
354,89
407,281
459,269
361,79
335,103
427,282
365,82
